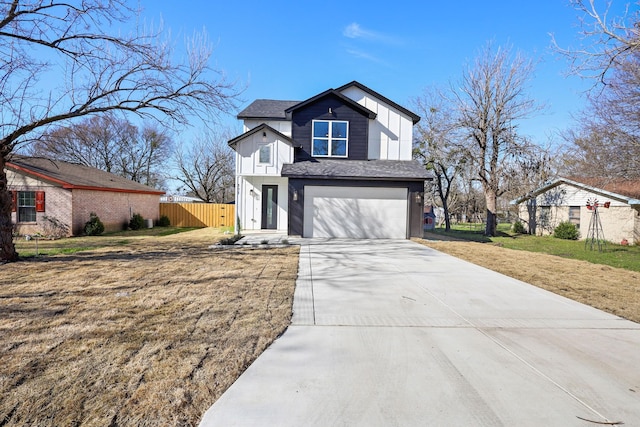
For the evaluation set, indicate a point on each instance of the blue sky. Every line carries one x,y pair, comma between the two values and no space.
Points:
296,49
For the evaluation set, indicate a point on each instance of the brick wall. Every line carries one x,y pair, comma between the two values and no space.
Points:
57,205
113,208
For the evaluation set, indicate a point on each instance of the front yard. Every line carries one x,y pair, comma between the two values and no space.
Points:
151,327
149,330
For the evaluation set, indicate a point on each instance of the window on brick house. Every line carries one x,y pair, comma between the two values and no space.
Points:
26,206
28,203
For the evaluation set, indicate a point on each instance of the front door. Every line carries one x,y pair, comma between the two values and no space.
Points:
270,207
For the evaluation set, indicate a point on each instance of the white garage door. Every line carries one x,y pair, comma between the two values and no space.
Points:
355,212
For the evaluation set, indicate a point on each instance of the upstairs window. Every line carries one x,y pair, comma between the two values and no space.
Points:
330,138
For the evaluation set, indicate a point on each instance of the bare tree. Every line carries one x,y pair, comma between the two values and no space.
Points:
438,145
491,99
147,157
207,168
112,144
606,140
66,60
608,40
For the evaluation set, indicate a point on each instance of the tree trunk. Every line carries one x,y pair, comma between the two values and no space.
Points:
491,200
7,249
447,220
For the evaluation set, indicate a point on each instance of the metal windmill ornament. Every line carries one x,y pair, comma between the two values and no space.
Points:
595,235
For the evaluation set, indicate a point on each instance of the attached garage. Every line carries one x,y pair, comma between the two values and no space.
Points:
357,199
355,212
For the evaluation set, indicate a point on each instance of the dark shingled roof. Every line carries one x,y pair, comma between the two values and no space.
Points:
267,109
73,175
357,169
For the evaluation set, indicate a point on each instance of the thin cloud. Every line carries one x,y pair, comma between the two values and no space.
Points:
359,54
363,55
356,31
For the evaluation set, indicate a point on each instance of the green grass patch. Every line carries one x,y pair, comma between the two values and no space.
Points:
31,253
28,248
627,257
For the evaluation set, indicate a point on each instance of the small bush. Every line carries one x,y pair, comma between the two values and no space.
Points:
231,240
518,227
136,222
93,227
566,230
164,221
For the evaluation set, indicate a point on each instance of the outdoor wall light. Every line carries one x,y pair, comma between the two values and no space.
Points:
330,112
251,192
418,198
264,137
295,195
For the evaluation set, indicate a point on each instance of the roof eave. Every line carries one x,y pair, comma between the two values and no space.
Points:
364,110
233,142
558,181
69,186
414,117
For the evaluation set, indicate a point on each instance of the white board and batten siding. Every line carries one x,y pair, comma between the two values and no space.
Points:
248,155
250,210
391,133
282,126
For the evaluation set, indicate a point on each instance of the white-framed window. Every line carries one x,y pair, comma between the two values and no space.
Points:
26,206
264,154
330,138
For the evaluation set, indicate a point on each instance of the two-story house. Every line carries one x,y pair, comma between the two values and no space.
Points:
336,165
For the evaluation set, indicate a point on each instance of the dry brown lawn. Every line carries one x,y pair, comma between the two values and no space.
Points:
149,333
614,290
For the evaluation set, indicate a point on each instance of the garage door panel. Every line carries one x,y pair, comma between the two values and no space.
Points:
355,212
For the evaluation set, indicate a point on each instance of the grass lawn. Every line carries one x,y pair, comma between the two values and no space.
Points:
151,327
627,257
143,329
33,247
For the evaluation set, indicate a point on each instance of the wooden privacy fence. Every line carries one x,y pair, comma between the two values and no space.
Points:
199,214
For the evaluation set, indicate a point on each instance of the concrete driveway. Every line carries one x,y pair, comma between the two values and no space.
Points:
391,333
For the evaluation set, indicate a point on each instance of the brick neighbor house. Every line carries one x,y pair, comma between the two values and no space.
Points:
52,195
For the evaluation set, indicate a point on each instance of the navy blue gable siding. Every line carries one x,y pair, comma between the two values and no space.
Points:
302,122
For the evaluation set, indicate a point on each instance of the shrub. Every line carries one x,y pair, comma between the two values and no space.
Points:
94,226
566,230
136,222
518,227
231,240
164,221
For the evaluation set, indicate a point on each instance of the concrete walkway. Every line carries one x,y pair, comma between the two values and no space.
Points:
391,333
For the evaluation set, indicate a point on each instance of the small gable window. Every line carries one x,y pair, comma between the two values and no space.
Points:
330,138
264,154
